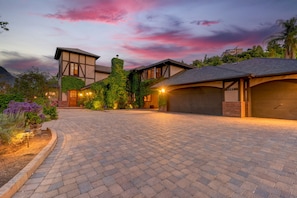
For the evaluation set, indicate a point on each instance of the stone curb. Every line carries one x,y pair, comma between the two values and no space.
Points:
13,185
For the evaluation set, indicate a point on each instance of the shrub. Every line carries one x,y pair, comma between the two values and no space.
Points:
32,111
6,98
11,125
51,111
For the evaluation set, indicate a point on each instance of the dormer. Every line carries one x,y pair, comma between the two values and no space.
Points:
162,69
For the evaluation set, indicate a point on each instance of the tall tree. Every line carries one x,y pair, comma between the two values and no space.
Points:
288,36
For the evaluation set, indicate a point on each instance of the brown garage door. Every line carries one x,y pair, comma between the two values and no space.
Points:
276,99
201,100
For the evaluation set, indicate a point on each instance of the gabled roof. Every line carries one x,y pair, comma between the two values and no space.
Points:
203,74
103,69
165,62
73,50
257,67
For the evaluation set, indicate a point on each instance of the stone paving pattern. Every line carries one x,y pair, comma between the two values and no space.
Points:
130,153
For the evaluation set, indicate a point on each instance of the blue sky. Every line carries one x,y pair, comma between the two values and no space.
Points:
141,32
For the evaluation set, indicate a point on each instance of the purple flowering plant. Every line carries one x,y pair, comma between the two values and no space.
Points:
32,111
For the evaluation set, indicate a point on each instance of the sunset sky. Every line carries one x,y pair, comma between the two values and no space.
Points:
141,32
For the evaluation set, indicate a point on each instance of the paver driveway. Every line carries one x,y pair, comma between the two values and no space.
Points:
128,153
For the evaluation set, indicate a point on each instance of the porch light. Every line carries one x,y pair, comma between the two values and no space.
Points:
80,95
162,90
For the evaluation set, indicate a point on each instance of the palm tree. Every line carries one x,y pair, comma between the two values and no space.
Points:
288,36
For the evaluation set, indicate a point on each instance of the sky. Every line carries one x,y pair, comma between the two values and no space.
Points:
141,32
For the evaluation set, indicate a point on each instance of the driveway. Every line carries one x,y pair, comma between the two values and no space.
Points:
135,153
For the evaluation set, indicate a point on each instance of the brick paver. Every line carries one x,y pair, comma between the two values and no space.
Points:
134,153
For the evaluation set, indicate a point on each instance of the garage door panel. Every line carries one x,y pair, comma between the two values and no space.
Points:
276,99
202,100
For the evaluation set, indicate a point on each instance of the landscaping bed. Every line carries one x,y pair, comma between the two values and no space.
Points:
13,158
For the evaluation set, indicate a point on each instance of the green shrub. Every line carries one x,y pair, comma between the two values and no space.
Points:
10,126
51,111
6,98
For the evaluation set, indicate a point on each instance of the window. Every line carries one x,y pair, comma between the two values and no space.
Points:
73,69
159,72
147,98
150,73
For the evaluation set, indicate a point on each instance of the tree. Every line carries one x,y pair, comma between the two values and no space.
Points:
288,37
275,50
32,84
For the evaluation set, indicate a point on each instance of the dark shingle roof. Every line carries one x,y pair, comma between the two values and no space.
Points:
258,67
164,62
103,69
73,50
203,74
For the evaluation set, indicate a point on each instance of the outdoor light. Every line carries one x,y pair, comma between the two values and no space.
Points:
162,90
80,94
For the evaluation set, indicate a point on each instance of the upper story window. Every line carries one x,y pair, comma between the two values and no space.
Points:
150,73
158,72
73,69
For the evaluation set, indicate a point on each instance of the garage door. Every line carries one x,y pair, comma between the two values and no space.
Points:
276,99
201,100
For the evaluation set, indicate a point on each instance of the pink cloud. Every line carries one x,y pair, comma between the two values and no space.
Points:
106,11
181,43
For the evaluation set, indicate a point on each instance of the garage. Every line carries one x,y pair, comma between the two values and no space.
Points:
275,99
200,100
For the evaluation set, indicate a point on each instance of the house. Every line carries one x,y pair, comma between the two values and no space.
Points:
259,87
161,70
80,64
234,51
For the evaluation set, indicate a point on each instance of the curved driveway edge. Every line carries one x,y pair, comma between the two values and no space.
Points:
11,187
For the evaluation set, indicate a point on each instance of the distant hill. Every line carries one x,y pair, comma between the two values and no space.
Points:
6,77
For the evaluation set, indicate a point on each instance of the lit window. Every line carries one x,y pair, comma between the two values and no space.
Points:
74,69
147,98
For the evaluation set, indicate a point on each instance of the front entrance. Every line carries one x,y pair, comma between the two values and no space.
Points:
72,98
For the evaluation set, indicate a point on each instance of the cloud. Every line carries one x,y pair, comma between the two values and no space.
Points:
205,22
17,63
105,11
178,43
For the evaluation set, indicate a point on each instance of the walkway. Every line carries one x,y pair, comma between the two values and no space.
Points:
129,153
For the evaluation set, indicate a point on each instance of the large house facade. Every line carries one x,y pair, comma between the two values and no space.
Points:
259,87
81,64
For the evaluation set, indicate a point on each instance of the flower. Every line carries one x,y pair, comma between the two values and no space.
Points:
32,111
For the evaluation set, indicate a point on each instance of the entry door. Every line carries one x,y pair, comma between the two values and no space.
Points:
72,98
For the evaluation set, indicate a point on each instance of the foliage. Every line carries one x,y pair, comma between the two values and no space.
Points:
71,83
162,99
6,98
116,94
10,126
32,111
31,84
51,111
254,52
49,108
275,50
287,37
